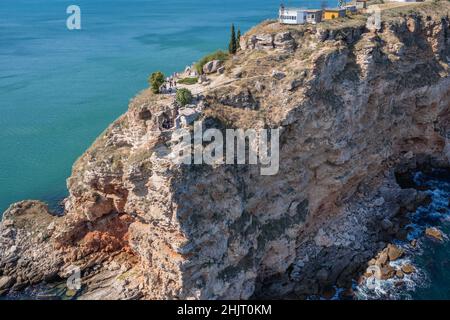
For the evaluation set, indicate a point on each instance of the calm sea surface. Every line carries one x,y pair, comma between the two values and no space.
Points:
60,89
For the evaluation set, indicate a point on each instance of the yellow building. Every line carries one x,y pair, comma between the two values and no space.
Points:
329,14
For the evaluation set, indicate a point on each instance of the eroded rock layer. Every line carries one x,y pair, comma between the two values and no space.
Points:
352,105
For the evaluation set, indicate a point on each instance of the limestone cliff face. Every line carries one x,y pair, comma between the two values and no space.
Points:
351,104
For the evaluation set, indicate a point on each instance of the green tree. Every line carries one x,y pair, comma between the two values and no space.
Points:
232,48
156,80
238,39
184,96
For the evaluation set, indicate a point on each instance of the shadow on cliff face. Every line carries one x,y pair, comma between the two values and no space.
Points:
230,223
432,167
414,36
334,271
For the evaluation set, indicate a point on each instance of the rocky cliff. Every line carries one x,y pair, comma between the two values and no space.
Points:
353,105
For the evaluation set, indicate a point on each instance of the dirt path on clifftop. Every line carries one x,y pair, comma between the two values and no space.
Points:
221,81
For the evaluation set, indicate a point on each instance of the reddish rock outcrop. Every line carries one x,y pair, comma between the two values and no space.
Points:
352,105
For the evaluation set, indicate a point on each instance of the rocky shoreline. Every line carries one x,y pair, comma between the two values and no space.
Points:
375,220
358,109
385,266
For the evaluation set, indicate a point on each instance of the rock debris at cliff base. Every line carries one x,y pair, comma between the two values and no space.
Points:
351,104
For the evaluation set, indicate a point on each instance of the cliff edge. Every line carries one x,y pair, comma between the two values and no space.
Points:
353,104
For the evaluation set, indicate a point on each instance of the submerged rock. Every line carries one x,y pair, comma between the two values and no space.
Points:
434,234
408,269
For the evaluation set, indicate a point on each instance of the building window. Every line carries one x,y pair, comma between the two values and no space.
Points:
283,17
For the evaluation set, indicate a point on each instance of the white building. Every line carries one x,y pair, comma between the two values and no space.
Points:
292,15
299,15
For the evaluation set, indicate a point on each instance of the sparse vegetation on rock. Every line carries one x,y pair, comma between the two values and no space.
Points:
156,80
188,81
218,55
434,234
183,96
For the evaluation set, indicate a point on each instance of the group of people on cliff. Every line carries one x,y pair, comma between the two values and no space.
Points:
170,85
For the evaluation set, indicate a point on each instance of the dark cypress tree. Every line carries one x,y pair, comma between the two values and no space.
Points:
232,46
238,39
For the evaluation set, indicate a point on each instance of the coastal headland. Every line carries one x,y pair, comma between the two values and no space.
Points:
356,107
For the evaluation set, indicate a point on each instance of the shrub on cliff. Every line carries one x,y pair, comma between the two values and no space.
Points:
188,81
218,55
184,96
156,80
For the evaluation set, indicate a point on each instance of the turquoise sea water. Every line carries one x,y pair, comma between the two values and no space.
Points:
59,89
433,258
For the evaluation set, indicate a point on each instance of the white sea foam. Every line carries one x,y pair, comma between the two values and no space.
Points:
433,214
391,289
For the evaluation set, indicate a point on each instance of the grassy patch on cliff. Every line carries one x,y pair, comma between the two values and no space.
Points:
188,81
265,26
218,55
351,21
233,117
433,9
